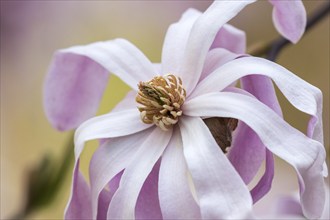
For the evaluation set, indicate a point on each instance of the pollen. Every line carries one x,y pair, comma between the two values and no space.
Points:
161,99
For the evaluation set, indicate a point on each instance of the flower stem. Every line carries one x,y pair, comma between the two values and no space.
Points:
44,181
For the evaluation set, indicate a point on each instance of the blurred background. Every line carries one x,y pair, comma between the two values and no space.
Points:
32,30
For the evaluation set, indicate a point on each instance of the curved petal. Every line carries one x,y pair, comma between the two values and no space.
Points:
106,196
247,151
202,36
265,183
306,155
304,96
71,93
247,154
176,199
262,88
103,204
216,58
123,202
288,206
289,18
78,75
119,57
221,192
147,205
230,38
79,206
110,158
176,40
110,125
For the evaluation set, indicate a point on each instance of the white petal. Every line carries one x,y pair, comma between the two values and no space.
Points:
147,205
304,154
119,57
216,58
158,68
175,197
79,204
265,183
221,192
176,40
111,158
247,152
202,36
304,96
263,89
230,38
123,202
107,126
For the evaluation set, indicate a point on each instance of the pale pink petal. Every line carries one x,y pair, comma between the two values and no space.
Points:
262,88
147,205
288,206
289,18
176,41
306,155
230,38
106,196
249,144
175,196
73,89
110,125
110,158
247,152
103,204
123,202
265,183
119,57
202,36
221,192
216,58
304,96
79,205
326,212
78,75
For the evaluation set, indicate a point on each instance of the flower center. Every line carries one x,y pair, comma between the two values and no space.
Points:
161,99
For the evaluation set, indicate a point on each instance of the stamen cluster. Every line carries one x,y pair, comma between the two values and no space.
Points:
161,99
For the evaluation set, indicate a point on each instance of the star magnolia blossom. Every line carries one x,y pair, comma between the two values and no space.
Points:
161,160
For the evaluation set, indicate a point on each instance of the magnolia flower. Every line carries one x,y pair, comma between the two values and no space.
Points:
81,92
161,160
